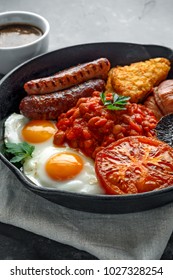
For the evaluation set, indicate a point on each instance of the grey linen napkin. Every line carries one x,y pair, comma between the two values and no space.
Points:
142,235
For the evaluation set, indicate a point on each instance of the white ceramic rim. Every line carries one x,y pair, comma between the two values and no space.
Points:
34,15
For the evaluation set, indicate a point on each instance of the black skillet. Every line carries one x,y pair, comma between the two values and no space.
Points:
11,92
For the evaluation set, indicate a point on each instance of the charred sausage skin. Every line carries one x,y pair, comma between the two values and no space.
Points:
97,69
51,105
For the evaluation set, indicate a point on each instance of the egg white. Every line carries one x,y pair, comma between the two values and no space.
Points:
13,126
85,182
34,167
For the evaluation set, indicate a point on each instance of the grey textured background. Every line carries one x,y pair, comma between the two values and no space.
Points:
80,21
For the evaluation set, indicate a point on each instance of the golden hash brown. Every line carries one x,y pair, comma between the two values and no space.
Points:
138,79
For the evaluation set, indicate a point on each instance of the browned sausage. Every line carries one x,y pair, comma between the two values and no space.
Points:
51,105
163,95
151,104
97,69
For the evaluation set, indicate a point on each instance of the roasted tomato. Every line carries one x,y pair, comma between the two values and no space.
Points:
135,164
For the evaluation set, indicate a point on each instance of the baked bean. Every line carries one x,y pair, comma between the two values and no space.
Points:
89,126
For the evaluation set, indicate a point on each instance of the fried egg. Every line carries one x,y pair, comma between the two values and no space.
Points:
38,133
62,167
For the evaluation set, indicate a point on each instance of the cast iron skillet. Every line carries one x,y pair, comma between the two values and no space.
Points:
11,92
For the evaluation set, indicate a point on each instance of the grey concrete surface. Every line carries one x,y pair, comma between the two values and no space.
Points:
81,21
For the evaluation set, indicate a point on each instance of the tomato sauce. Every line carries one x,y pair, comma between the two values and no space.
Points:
89,126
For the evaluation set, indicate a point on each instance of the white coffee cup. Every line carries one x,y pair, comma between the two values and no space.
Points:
12,56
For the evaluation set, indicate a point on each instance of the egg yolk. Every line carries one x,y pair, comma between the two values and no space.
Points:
64,166
37,131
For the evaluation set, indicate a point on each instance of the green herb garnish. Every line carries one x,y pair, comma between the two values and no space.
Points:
20,151
117,102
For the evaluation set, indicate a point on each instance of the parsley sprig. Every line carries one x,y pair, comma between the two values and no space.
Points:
19,152
117,102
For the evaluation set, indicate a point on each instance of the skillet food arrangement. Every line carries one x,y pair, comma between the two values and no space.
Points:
95,129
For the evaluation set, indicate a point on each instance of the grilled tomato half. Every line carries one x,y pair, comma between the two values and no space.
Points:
135,164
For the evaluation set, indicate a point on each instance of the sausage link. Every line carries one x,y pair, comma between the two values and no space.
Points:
97,69
51,105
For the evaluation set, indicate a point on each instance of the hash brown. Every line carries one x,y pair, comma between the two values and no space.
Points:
138,79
